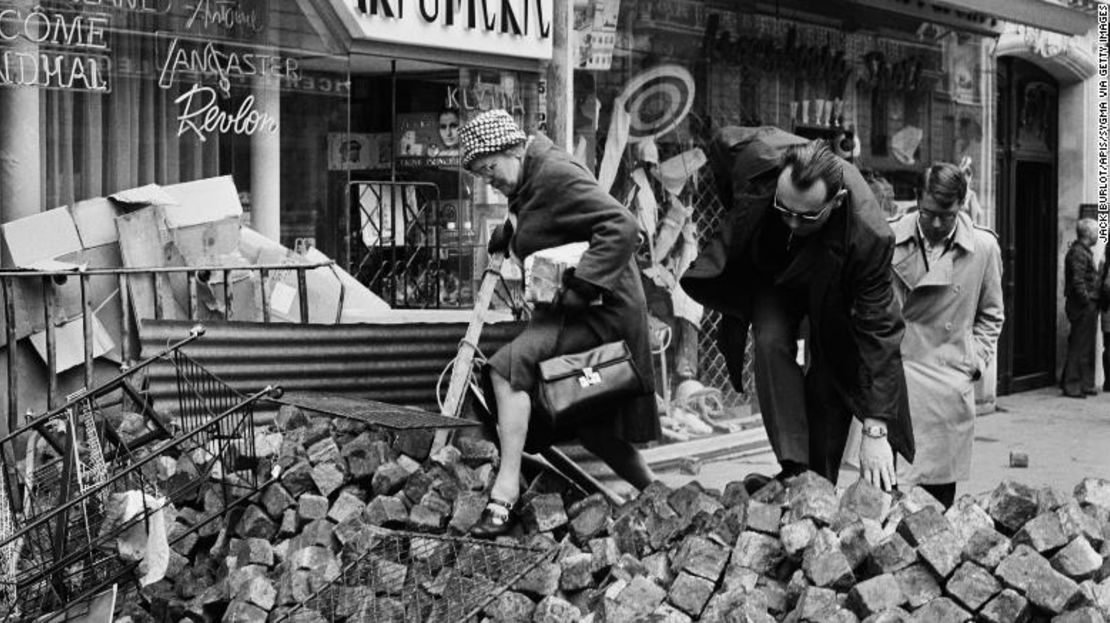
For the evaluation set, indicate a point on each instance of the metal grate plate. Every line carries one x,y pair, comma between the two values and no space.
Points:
372,412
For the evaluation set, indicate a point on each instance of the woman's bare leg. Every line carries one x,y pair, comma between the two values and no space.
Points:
513,411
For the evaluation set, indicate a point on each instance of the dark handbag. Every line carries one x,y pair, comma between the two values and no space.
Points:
570,385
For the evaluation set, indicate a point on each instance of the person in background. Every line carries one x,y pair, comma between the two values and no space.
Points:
805,239
554,201
1081,306
948,280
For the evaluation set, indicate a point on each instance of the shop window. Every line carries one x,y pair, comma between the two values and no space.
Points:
416,224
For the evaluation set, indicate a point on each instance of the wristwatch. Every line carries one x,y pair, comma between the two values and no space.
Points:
875,431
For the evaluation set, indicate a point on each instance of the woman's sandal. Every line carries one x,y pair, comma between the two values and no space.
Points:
497,519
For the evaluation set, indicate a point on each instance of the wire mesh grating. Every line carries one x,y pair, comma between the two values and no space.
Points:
410,577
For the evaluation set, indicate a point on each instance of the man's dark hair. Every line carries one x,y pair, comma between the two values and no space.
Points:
814,161
946,183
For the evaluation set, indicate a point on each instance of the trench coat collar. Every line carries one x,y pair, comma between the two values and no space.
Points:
909,266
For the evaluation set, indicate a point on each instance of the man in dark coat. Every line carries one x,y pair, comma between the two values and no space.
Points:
1081,306
806,239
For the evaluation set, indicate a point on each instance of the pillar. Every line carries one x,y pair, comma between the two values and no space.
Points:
560,77
20,170
266,163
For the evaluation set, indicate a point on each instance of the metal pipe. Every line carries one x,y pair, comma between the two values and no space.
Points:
87,328
264,274
9,326
302,293
29,273
227,294
51,342
191,277
126,348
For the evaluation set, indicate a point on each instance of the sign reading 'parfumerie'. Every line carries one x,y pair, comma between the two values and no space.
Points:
519,28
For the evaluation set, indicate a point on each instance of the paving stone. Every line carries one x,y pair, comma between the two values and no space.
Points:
364,455
774,492
702,557
510,606
1077,560
604,552
1006,607
245,612
987,547
866,500
554,609
918,584
940,610
825,564
255,551
764,518
298,479
691,498
941,553
1094,491
389,478
631,534
1011,504
658,568
324,450
817,604
890,615
415,443
919,526
858,539
891,554
346,505
386,511
758,552
276,499
541,581
1044,533
1027,571
466,511
916,499
814,499
424,518
736,494
1076,522
255,523
589,517
577,572
641,595
1086,614
972,586
476,451
966,518
797,535
689,593
289,523
545,512
875,595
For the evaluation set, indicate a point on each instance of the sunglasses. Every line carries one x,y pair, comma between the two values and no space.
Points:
808,218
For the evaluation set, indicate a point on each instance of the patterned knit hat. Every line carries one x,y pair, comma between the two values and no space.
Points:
488,133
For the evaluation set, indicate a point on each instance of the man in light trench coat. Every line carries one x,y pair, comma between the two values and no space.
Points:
948,278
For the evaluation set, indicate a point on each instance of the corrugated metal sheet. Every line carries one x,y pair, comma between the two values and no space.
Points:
394,363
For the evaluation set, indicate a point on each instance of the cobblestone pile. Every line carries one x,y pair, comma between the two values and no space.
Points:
799,551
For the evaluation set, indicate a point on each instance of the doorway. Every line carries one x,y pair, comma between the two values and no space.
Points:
1028,100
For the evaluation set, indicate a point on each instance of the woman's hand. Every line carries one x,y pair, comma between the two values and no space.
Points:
577,294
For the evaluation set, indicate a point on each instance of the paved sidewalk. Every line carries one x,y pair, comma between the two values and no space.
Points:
1066,439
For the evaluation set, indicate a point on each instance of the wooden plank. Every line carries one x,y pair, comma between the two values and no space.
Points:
145,243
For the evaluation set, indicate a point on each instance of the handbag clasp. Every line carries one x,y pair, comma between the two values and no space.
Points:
589,378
